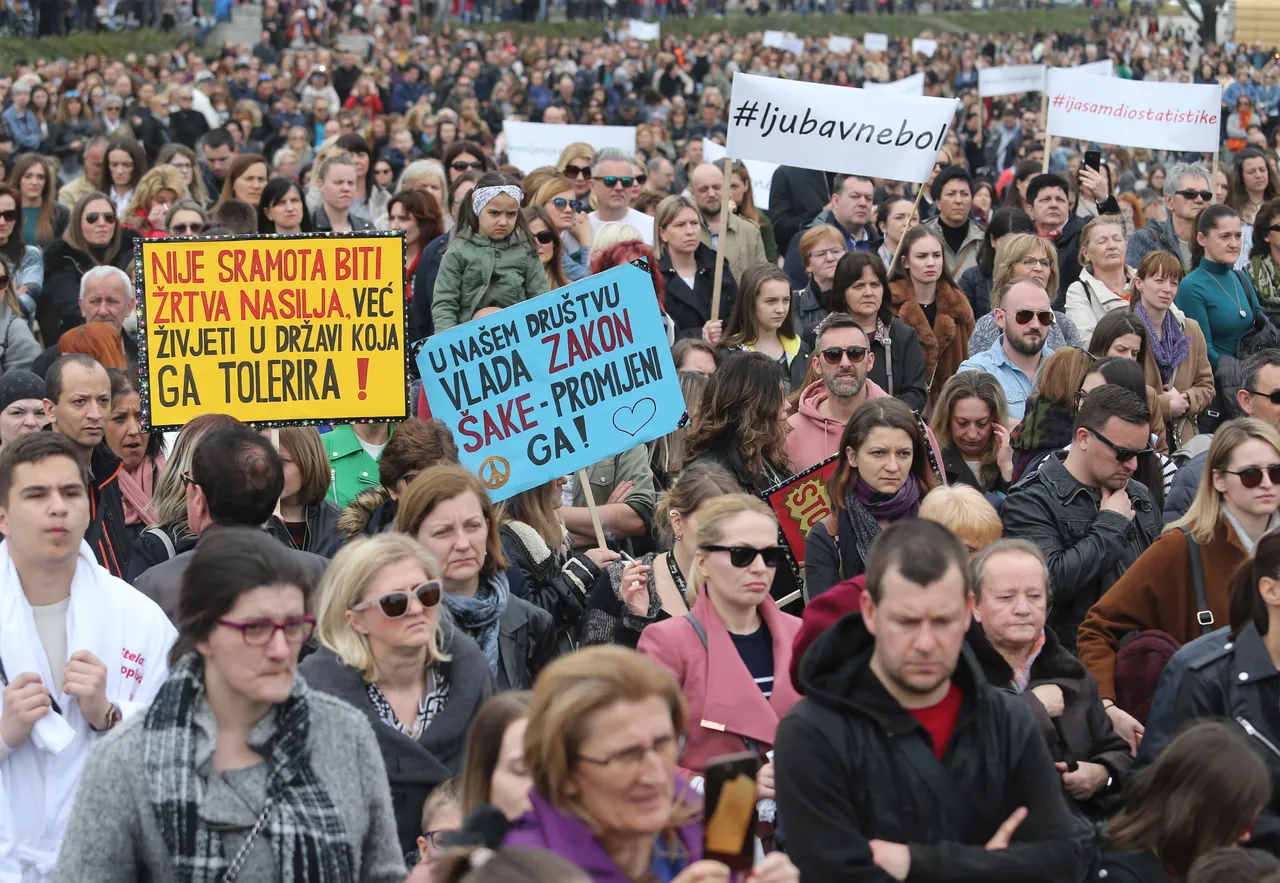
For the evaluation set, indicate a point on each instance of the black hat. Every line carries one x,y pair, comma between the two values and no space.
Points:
18,385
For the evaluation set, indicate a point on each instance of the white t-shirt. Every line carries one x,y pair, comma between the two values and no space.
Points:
374,451
639,220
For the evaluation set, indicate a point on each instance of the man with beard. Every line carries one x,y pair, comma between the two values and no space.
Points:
1083,508
902,762
1023,315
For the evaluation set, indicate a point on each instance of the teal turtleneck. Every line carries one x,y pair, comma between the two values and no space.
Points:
1221,300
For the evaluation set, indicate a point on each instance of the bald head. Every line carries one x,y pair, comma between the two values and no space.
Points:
706,184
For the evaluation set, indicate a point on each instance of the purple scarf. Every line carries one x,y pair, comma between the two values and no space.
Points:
1170,348
904,504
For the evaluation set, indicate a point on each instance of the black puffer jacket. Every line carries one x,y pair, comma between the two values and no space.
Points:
558,583
847,773
690,308
1239,682
1088,548
1083,732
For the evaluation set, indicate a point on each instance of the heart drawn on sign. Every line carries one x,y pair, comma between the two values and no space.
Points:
635,417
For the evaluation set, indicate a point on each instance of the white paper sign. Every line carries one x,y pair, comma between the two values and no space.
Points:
1104,68
773,39
840,45
912,85
793,45
837,129
761,172
1134,113
643,30
924,46
1011,80
530,145
875,42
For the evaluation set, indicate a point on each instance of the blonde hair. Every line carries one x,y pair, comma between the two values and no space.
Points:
576,150
536,507
610,234
1014,248
963,510
567,695
666,212
970,385
355,566
712,517
1201,520
150,185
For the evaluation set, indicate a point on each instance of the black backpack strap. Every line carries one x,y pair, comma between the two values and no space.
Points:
752,744
1204,615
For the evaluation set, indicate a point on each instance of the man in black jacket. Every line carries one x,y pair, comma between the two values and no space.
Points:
77,401
901,759
1084,509
796,196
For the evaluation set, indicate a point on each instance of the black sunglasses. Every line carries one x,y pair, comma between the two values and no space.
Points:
1273,396
742,556
561,203
642,179
4,281
1252,477
1024,317
396,604
1123,455
833,355
1205,195
1274,228
94,217
11,215
459,165
610,182
578,172
546,237
193,229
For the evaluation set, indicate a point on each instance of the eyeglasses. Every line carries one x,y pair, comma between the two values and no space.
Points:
95,217
833,355
583,172
259,632
1252,477
434,837
545,237
629,760
396,604
1203,195
1029,261
611,182
828,253
461,165
187,229
1123,455
71,95
10,215
1024,317
1273,396
1274,228
743,556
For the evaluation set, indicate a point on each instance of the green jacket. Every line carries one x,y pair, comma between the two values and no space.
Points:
351,469
479,272
631,465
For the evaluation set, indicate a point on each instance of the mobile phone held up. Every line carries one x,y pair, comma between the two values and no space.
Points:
1093,159
728,832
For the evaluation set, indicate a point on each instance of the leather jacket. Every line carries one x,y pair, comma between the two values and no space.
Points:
1087,547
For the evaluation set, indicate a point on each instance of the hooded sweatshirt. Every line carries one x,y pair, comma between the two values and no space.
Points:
813,437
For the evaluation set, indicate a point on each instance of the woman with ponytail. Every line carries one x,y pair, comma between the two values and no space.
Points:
732,653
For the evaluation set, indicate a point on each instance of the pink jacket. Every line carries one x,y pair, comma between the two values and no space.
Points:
813,438
723,717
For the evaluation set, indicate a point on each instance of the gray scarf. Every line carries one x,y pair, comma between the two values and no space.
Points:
478,616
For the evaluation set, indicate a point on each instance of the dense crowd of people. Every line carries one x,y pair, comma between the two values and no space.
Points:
1048,390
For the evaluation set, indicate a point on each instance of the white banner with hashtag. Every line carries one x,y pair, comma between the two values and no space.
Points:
837,129
1011,80
1134,113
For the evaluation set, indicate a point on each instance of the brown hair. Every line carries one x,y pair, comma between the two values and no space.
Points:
1014,248
74,236
421,204
874,414
437,484
97,339
970,385
1061,376
536,507
1158,264
48,197
554,268
415,445
484,744
308,453
909,239
740,411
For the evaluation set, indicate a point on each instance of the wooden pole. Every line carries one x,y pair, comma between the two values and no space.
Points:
585,484
1044,113
1213,178
897,251
724,229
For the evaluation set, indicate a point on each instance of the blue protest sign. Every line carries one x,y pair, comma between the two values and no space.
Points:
557,383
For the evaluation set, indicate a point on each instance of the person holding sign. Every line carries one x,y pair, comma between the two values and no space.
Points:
493,259
688,269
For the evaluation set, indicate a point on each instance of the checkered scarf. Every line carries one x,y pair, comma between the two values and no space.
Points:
303,826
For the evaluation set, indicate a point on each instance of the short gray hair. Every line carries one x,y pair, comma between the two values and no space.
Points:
610,154
655,163
113,100
1008,546
106,272
1177,170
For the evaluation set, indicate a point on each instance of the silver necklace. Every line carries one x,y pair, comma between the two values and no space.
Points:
1231,294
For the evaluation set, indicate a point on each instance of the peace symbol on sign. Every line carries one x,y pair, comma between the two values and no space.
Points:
494,472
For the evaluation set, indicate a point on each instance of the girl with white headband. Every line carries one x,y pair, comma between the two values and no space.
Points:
492,261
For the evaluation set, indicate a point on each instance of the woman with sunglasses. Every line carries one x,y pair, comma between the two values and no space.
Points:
548,244
94,237
883,473
575,164
464,156
235,735
386,650
18,348
556,196
26,262
1263,268
186,219
1235,505
731,654
448,510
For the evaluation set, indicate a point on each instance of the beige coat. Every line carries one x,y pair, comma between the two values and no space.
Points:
743,247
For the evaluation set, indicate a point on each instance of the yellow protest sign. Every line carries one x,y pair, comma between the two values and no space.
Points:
272,330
